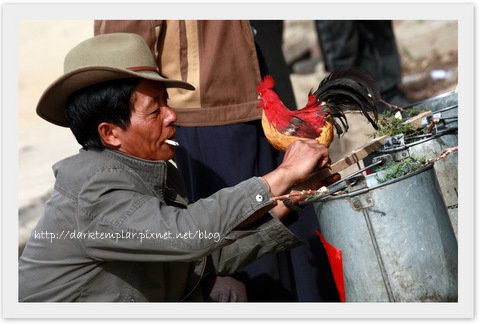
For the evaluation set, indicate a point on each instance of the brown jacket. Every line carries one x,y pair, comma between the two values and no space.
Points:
217,56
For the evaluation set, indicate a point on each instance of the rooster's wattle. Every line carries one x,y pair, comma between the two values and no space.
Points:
324,111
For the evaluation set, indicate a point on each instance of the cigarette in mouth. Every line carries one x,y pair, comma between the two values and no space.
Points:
171,142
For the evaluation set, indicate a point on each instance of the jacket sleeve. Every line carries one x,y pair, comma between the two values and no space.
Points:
126,222
270,236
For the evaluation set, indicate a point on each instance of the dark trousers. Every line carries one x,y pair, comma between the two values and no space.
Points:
366,44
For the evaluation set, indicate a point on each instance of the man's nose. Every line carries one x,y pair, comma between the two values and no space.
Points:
170,117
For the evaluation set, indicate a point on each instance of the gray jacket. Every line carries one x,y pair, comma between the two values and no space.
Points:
118,228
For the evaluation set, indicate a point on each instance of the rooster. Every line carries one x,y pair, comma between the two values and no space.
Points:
324,111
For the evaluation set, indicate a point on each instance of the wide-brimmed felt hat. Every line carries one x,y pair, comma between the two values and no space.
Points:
98,59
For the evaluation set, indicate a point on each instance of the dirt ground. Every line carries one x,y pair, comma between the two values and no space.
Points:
428,52
429,59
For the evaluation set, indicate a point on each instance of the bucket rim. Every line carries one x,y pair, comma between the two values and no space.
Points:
426,167
421,139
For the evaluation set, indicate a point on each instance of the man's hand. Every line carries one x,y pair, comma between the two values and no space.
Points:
300,160
303,157
227,289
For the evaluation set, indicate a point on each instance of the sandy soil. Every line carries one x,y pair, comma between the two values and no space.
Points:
40,143
424,46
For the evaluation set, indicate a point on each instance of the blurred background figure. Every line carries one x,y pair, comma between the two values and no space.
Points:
303,271
366,44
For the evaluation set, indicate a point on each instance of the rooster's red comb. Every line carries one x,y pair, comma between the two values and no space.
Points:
267,83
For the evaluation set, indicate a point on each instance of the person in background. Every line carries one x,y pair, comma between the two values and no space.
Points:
220,134
369,45
305,270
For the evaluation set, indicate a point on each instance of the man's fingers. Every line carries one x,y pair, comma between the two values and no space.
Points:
332,179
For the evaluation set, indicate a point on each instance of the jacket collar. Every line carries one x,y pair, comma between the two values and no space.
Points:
154,173
162,176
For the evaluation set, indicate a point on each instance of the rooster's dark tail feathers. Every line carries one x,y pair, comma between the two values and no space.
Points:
349,90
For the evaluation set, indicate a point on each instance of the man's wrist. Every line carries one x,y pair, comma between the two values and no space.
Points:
277,181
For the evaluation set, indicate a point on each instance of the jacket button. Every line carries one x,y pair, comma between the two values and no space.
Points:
259,198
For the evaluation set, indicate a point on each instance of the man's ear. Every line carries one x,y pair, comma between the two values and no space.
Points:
109,134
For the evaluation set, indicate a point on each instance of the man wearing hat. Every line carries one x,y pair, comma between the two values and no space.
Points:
118,226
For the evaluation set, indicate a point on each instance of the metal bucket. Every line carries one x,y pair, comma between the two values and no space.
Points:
446,170
428,147
396,240
437,103
445,108
445,104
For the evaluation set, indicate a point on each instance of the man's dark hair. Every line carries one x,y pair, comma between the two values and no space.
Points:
108,101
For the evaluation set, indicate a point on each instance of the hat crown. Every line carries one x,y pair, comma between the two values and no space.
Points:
99,59
118,50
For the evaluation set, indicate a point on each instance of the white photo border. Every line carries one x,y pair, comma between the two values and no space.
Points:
13,13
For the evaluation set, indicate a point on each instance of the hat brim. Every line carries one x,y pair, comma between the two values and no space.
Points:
53,101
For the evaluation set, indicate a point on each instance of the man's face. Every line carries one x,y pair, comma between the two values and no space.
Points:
151,123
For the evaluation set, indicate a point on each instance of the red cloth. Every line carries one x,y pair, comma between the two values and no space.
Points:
335,259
